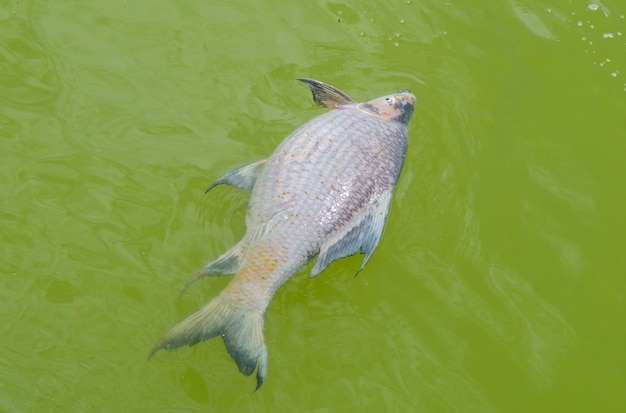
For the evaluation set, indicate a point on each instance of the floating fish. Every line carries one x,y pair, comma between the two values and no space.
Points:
325,192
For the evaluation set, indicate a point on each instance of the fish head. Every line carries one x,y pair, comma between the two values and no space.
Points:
396,107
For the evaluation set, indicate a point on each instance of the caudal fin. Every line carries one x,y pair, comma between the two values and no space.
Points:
242,332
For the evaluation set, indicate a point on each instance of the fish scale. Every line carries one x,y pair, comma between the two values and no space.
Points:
325,192
351,148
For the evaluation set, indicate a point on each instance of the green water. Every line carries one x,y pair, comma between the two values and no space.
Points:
500,281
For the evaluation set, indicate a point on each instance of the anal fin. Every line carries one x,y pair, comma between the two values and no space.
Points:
362,235
226,264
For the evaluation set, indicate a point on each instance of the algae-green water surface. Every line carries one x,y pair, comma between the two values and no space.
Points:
499,284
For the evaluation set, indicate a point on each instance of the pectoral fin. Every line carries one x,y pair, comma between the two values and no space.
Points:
326,96
243,177
362,235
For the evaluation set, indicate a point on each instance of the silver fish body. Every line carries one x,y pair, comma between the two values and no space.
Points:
325,191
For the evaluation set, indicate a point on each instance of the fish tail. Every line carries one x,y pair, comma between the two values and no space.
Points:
242,331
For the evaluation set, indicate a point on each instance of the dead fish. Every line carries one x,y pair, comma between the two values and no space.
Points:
325,192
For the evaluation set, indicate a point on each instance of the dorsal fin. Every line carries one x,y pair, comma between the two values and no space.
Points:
325,95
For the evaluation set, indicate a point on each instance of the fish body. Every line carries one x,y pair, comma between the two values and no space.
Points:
325,191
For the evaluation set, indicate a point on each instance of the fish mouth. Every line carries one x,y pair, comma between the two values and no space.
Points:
405,97
405,104
397,107
401,100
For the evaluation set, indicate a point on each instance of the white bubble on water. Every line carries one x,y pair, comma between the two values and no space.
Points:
580,23
593,7
607,35
614,74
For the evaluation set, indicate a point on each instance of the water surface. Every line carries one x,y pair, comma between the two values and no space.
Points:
499,282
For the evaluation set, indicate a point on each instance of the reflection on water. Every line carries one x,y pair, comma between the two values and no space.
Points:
534,15
474,213
545,337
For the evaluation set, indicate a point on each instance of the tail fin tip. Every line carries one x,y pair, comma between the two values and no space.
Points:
242,332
